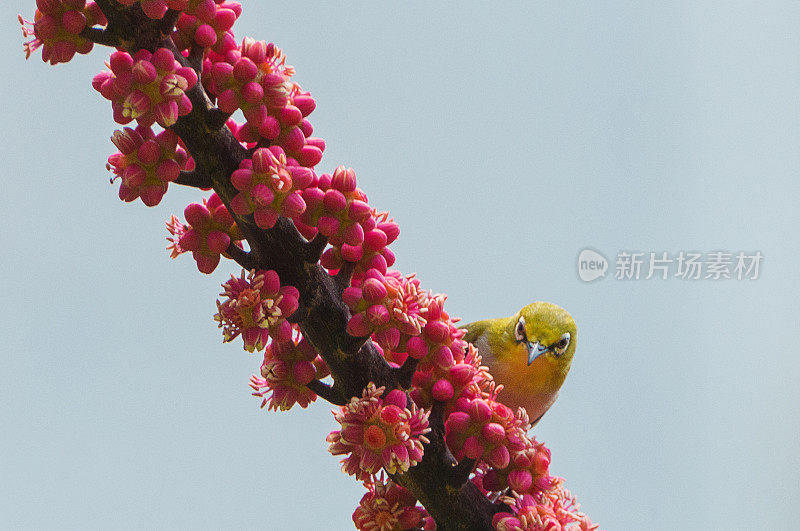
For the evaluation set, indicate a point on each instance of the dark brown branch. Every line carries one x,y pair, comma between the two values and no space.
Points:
196,57
240,256
216,118
100,36
194,178
459,474
405,372
167,24
344,275
315,247
327,392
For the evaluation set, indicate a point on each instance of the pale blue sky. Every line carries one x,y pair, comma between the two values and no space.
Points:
503,141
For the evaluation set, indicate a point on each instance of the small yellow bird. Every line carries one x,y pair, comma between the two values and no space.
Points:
530,353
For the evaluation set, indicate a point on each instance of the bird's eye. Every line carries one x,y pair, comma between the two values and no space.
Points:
519,331
562,344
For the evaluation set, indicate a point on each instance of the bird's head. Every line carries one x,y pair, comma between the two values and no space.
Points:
544,331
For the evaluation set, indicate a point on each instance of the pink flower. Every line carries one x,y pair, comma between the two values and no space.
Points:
209,231
206,23
391,307
465,379
156,9
390,507
146,87
57,26
527,472
269,188
289,365
379,432
254,77
485,430
554,510
256,307
146,163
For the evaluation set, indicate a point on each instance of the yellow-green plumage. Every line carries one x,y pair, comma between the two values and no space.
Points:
531,370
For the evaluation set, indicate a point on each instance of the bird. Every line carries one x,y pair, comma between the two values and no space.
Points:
529,353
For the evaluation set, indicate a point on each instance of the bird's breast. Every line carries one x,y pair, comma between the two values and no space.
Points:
534,387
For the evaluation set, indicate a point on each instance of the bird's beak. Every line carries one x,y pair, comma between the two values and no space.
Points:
535,350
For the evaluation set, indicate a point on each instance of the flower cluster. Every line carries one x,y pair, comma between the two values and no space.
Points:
389,507
554,510
209,231
391,307
146,163
57,27
465,378
256,307
254,77
146,87
484,429
269,188
379,432
358,234
289,365
206,23
527,471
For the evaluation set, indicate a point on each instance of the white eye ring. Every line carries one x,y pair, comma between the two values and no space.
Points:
519,331
562,345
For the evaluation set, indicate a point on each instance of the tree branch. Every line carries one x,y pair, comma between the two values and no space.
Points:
459,474
327,392
100,36
194,178
315,247
240,256
405,372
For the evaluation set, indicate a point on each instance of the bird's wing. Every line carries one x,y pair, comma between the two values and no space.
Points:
475,330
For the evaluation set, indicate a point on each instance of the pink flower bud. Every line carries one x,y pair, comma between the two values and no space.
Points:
442,390
163,59
461,374
352,296
309,156
472,447
354,235
303,372
358,210
479,411
397,398
196,214
265,218
373,290
334,200
269,128
437,331
305,104
493,433
293,205
206,263
218,241
416,347
378,315
290,115
328,225
357,326
168,170
352,253
520,481
205,36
